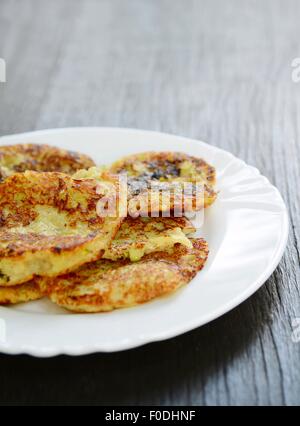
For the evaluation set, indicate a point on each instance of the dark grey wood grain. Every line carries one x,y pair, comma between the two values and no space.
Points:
213,70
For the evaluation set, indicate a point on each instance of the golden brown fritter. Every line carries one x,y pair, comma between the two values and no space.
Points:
106,285
49,225
153,175
168,198
41,158
172,197
144,235
20,293
165,167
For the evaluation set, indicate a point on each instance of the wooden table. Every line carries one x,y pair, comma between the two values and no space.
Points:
213,70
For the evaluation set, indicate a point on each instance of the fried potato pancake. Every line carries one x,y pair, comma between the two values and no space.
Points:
144,235
20,293
165,167
146,196
153,175
106,285
167,198
49,225
41,158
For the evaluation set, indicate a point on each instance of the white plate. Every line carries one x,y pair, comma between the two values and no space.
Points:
246,230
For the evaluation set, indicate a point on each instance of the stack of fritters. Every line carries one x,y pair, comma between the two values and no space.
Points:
54,243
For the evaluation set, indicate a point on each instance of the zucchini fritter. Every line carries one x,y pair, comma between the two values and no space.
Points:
144,235
172,196
20,293
105,285
49,225
165,167
154,175
41,158
168,198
